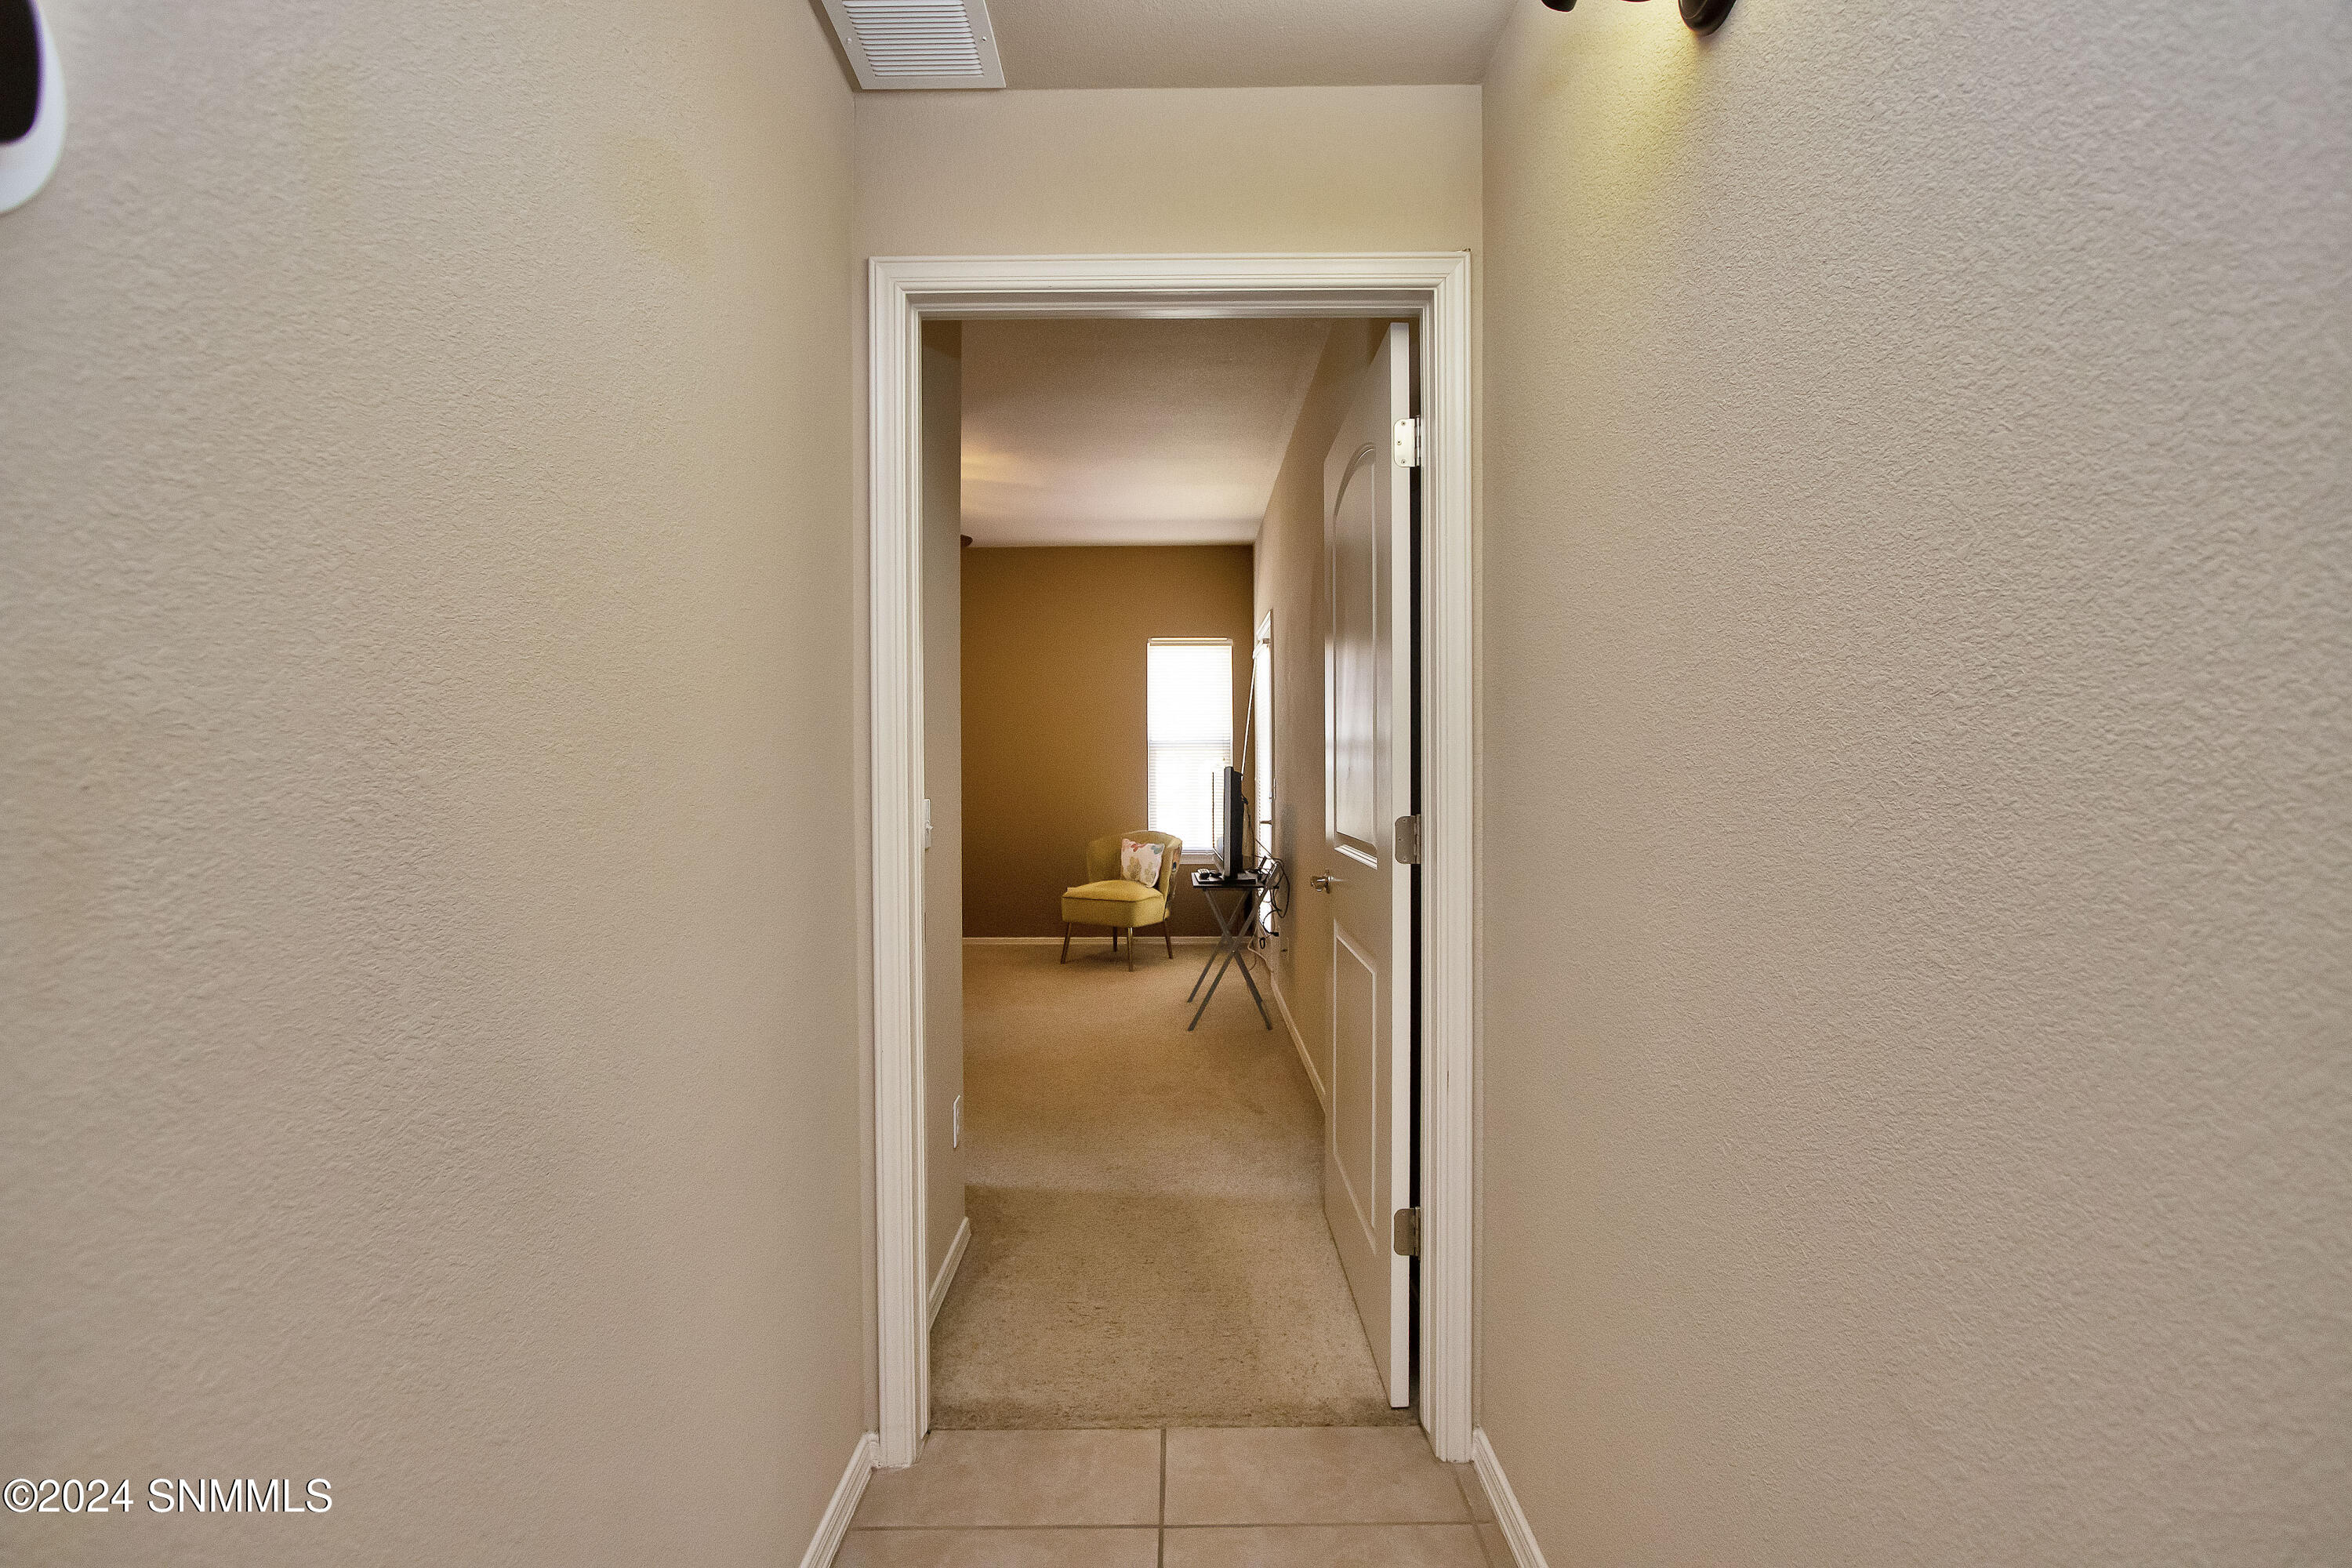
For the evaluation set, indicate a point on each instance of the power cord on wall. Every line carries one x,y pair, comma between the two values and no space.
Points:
1273,902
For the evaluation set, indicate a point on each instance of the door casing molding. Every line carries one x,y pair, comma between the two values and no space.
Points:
1432,288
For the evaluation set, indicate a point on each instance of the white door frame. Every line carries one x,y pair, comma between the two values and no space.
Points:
1432,288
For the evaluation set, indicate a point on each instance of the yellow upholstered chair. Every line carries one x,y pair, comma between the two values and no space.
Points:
1107,899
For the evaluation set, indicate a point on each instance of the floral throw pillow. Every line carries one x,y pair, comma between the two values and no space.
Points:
1140,862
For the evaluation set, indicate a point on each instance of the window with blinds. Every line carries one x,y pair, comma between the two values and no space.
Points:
1188,701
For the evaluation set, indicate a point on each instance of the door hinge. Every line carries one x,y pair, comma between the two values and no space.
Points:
1408,443
1407,840
1406,1233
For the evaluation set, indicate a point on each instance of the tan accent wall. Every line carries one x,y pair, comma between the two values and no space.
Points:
1917,872
428,970
1291,584
942,458
1054,711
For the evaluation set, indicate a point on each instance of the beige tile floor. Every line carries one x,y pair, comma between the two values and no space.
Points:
1289,1497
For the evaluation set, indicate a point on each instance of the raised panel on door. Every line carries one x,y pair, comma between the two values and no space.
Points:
1355,1088
1353,572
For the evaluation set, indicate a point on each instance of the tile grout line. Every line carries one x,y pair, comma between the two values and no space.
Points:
1462,1482
1118,1529
967,1529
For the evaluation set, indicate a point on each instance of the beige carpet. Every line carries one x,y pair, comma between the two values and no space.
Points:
1148,1242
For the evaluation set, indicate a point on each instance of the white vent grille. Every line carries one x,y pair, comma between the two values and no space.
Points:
918,43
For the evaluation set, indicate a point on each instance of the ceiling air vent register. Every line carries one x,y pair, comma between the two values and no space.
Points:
918,43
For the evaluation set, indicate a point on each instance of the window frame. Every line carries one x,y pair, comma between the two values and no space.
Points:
1207,853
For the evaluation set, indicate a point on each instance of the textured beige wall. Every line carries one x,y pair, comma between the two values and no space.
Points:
426,1000
1291,583
943,438
1917,938
1064,43
1150,169
1054,703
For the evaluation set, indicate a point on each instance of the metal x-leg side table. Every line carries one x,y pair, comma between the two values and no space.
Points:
1234,928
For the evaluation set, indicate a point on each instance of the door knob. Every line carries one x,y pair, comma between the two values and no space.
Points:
1324,883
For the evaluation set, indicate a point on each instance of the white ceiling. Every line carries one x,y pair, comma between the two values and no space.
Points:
1128,432
1244,43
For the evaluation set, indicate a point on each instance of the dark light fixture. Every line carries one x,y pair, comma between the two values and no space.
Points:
32,103
1700,16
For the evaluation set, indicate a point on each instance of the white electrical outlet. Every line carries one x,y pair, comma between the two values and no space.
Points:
955,1139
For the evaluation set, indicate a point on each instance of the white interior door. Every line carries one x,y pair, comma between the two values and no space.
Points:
1367,784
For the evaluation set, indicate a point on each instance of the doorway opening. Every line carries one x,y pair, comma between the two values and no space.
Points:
1427,297
1142,1171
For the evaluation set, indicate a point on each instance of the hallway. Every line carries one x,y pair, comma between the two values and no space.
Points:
510,761
1149,1247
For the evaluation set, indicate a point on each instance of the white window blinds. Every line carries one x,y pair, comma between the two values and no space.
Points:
1189,696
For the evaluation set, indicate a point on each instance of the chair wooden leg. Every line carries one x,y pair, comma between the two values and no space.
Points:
1065,941
1130,949
1167,939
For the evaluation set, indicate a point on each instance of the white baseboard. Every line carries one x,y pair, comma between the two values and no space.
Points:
1077,941
1508,1512
1306,1058
948,1266
844,1505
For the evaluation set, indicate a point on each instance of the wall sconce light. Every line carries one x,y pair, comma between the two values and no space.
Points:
1700,16
32,103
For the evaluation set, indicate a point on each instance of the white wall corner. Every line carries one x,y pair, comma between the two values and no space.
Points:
831,1527
1506,1503
896,696
945,1278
